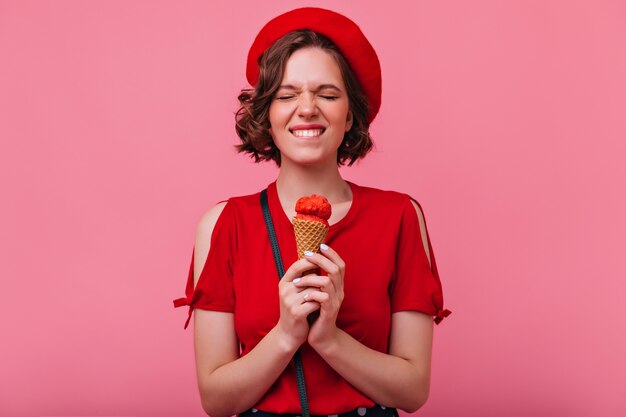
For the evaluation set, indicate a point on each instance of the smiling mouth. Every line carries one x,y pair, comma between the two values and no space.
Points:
307,133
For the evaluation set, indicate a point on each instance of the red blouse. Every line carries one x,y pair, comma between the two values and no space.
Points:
386,271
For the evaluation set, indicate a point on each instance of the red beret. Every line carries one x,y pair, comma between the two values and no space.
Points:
342,31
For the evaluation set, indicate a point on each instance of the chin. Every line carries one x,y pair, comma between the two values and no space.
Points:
307,160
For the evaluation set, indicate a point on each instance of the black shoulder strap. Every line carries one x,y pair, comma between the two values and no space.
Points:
270,230
304,403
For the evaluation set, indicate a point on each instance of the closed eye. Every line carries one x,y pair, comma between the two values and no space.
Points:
330,97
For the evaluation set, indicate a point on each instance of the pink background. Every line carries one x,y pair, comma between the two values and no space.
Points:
505,119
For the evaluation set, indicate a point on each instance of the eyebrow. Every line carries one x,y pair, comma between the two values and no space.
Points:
320,87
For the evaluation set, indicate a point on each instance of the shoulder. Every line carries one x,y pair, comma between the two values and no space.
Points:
383,199
420,214
209,218
230,206
204,230
422,223
390,201
229,211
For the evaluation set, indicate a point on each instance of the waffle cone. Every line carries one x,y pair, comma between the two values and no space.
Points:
309,235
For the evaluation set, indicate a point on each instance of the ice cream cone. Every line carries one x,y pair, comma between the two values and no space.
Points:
310,234
311,226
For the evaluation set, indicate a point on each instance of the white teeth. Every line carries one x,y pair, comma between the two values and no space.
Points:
307,133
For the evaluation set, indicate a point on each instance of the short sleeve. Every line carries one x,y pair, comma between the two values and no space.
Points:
415,286
214,290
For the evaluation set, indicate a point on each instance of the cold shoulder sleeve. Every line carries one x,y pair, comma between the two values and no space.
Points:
214,290
415,286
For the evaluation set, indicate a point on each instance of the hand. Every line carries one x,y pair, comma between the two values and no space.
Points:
296,303
327,291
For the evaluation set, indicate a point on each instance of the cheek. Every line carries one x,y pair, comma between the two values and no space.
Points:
340,112
278,115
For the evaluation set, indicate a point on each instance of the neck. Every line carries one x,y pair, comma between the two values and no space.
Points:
297,180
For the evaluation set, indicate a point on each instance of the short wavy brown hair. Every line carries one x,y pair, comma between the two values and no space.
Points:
252,118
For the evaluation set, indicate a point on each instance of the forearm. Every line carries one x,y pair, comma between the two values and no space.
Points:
385,379
237,386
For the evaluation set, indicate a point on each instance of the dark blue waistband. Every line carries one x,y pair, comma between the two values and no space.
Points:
375,411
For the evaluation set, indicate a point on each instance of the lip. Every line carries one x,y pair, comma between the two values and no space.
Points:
307,127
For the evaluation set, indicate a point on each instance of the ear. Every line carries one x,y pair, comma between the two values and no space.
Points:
349,120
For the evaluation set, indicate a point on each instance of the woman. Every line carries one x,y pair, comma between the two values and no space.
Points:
369,351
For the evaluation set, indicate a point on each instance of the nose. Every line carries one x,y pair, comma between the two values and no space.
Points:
307,106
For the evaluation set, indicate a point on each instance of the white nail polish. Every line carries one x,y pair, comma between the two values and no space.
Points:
323,246
295,281
308,253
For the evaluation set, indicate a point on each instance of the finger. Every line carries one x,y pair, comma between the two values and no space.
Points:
286,289
315,296
309,294
302,310
307,308
297,268
334,271
299,296
311,272
323,262
322,282
304,301
331,254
